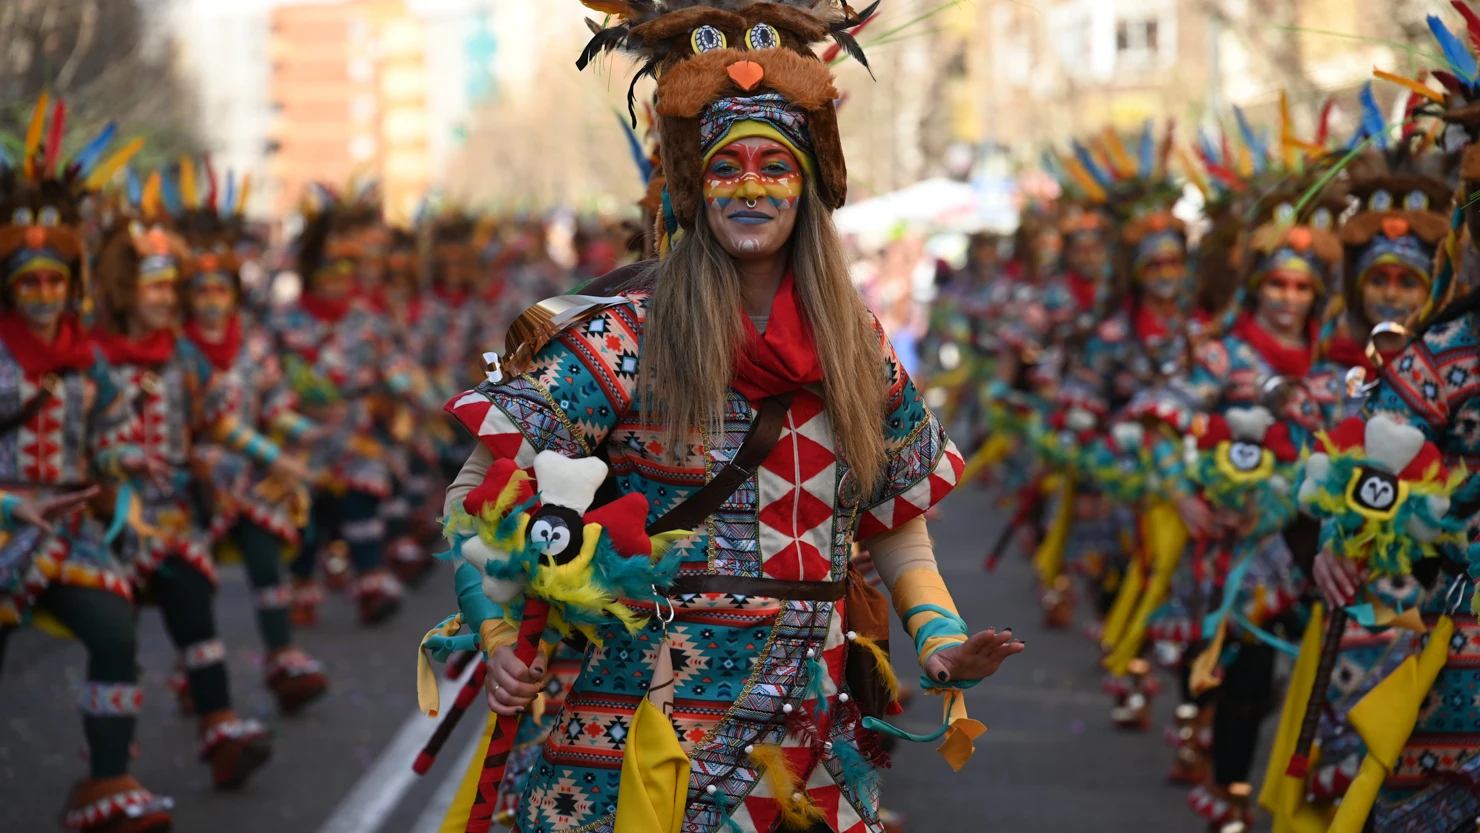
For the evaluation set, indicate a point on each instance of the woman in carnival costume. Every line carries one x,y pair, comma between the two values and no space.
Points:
260,504
168,385
66,424
1417,725
655,376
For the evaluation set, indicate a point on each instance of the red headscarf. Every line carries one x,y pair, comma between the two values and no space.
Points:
783,358
71,349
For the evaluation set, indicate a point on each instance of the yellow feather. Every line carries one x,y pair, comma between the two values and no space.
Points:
1289,145
664,541
33,133
1194,173
882,666
616,7
150,200
188,191
104,172
243,193
785,788
1410,84
1086,183
1116,151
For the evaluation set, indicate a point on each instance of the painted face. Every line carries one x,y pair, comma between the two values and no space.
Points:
155,304
1048,248
1163,276
1086,255
40,296
751,191
212,298
1285,298
1393,292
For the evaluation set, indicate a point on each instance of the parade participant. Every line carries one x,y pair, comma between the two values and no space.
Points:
338,357
65,425
777,736
260,501
167,384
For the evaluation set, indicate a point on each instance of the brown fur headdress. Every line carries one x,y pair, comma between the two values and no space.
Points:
701,51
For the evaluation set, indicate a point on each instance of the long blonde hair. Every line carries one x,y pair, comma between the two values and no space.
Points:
694,327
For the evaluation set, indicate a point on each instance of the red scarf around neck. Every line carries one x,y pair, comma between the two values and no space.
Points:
150,351
1286,360
70,350
783,358
1148,324
412,305
223,353
325,310
1084,290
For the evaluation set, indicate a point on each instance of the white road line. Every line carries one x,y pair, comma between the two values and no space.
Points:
430,820
377,793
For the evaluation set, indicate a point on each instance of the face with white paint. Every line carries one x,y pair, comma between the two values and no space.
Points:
751,191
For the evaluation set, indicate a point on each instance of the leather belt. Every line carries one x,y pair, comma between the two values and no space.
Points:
789,591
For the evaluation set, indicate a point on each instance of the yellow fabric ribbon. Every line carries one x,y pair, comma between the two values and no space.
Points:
654,786
1284,795
960,742
456,820
1049,559
428,698
1164,537
1385,719
992,452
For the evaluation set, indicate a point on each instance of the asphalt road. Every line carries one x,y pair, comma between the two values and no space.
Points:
1050,761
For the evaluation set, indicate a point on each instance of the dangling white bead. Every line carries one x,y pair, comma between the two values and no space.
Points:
811,653
710,790
786,709
843,697
749,749
852,636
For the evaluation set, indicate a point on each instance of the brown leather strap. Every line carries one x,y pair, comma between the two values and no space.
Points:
790,591
31,407
759,441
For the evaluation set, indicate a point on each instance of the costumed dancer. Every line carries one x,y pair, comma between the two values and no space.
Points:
167,385
64,425
260,500
774,733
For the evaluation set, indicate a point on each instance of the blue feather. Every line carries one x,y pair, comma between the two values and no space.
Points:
1088,161
639,156
1374,124
169,191
88,157
1256,149
1456,54
1147,161
1209,150
1051,166
135,187
228,201
6,162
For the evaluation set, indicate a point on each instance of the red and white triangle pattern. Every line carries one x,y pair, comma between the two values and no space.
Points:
760,812
107,808
914,501
798,487
492,427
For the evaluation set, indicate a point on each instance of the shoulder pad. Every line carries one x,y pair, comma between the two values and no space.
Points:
538,325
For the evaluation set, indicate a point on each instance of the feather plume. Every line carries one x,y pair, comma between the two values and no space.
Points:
88,157
228,203
104,172
1256,150
649,69
1374,125
1194,174
1206,149
1414,86
135,188
603,41
169,190
1086,159
54,138
1323,127
149,200
189,187
243,195
1086,182
639,155
1120,159
210,183
1472,20
6,163
1146,152
858,20
1168,141
620,8
33,135
850,45
1455,53
1450,83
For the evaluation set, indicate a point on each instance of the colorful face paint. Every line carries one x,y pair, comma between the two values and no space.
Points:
40,295
1285,298
155,304
1163,276
1393,292
212,297
752,170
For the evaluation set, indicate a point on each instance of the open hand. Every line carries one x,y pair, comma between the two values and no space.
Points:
977,658
40,513
1337,578
290,471
1197,516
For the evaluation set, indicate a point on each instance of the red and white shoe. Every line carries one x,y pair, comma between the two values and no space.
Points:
295,679
409,560
234,748
116,805
303,606
378,594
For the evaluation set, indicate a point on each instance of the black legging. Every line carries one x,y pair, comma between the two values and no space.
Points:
104,623
186,600
1243,701
262,553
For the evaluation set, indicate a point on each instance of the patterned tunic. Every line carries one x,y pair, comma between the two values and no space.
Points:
1432,385
251,393
81,431
170,403
1117,363
737,659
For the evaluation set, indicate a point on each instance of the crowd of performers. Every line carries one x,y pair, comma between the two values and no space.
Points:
159,414
1244,430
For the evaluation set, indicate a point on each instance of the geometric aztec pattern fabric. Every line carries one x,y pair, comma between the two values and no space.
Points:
737,660
1432,385
50,448
1117,363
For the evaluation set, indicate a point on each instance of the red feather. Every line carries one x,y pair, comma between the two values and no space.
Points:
1323,131
54,139
1410,126
211,181
486,493
1166,144
1450,83
1471,20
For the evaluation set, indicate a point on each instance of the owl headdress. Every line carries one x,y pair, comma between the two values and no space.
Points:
729,69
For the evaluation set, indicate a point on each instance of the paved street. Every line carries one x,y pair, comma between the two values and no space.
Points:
1050,762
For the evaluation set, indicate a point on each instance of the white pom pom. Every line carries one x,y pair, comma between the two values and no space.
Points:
710,790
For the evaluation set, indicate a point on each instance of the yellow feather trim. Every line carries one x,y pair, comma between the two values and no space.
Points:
104,172
33,133
797,810
882,667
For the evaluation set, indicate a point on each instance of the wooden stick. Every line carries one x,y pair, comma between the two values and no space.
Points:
1335,628
465,697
